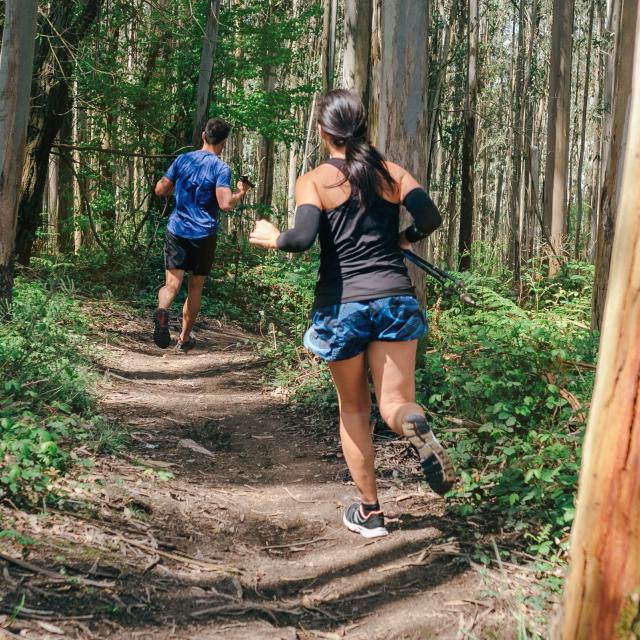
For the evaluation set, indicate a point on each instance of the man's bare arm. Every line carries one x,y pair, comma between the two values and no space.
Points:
227,200
164,187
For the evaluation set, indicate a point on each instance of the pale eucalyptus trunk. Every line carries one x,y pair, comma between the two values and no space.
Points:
398,107
357,47
610,195
555,192
16,63
601,592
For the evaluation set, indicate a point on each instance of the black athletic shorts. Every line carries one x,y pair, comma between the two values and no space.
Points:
195,256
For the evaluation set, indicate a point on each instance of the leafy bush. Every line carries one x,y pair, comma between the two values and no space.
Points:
519,380
44,394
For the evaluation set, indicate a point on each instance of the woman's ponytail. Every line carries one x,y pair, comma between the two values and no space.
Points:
343,118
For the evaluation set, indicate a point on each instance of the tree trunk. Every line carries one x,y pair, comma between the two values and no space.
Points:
65,190
266,151
328,45
208,52
625,42
529,205
50,93
555,188
452,210
291,186
434,107
496,212
357,47
53,190
467,196
583,129
16,66
398,110
513,250
601,595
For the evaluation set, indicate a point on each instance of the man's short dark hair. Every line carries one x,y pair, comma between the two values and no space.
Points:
216,130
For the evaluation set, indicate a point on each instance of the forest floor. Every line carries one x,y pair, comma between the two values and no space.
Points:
222,519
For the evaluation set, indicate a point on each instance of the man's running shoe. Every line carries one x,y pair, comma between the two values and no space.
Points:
369,526
186,345
161,335
435,461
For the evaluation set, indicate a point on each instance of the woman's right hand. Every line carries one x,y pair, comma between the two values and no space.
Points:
264,234
405,245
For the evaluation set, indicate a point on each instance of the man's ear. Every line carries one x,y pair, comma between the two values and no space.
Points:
204,139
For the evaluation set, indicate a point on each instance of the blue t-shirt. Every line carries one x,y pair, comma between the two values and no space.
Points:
196,176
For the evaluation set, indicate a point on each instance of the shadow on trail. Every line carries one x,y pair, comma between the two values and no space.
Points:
147,600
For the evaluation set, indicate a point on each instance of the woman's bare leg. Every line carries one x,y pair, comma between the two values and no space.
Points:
393,370
351,382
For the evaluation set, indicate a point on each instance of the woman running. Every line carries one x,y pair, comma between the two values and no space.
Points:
365,309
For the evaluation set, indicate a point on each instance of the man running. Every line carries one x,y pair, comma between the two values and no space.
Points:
202,184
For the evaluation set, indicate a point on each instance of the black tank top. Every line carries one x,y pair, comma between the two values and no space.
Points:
360,258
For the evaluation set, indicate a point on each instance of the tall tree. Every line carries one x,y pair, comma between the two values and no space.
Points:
328,46
601,595
467,196
66,24
16,64
583,127
518,100
555,188
207,54
266,149
357,46
614,152
398,109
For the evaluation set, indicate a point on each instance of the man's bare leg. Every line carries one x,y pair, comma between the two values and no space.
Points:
173,282
192,305
166,295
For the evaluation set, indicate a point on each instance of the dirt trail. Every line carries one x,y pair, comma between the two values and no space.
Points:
244,538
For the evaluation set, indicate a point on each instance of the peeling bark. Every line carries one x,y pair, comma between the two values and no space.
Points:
605,542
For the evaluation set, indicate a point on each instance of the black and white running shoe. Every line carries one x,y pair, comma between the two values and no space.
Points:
369,526
186,345
434,460
161,335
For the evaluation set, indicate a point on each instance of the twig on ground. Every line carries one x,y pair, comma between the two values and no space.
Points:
297,544
56,576
298,499
208,566
419,563
240,609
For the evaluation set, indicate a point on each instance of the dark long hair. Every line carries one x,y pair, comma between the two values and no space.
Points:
343,118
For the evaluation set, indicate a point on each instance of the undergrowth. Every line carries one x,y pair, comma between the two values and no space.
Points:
509,387
46,405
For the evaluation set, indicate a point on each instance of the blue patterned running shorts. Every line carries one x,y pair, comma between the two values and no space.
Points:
342,331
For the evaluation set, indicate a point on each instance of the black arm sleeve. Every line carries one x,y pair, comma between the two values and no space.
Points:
424,212
304,231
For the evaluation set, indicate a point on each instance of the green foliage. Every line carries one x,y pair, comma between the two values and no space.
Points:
509,373
44,397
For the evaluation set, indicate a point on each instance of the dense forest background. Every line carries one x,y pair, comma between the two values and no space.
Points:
513,114
122,87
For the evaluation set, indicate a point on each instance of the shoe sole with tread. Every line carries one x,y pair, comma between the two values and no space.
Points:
434,460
